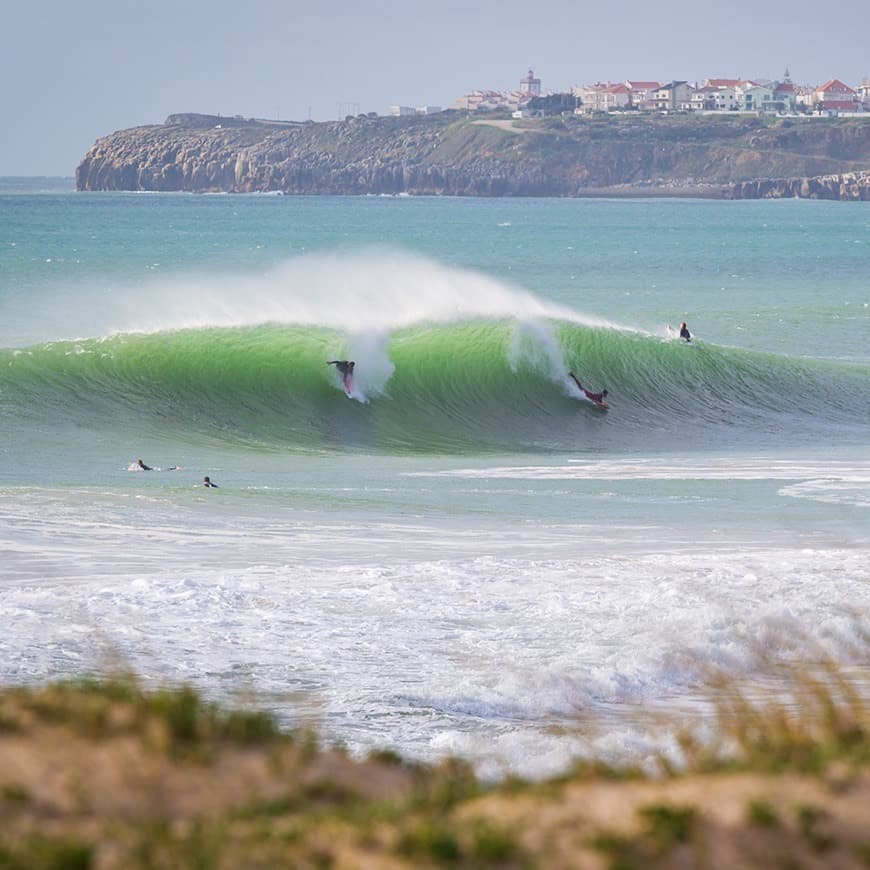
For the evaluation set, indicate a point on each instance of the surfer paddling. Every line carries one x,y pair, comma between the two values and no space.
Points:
598,398
206,481
139,465
345,368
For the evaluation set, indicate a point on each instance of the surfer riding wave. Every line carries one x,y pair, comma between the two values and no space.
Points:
345,368
598,398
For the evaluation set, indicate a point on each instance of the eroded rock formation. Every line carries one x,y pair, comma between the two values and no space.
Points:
454,155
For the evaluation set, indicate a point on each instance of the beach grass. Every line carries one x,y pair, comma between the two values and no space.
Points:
103,773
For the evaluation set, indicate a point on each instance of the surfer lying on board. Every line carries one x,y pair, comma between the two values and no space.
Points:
206,481
142,466
346,368
598,398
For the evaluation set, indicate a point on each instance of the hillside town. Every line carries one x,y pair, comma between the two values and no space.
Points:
713,95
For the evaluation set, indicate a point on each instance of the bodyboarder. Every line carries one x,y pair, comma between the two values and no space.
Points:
345,367
598,398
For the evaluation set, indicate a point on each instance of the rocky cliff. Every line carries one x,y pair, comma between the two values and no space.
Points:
451,154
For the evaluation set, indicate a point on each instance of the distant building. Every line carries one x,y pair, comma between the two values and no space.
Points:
640,93
755,97
481,101
404,111
602,97
487,101
714,98
834,96
721,83
530,86
673,97
785,95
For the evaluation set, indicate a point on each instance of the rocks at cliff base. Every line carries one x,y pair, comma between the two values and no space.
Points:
845,186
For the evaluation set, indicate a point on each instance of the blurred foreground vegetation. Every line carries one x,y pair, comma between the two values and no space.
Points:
100,773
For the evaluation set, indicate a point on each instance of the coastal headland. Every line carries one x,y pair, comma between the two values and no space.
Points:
451,154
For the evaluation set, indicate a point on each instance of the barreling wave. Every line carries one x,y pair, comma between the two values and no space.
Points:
492,384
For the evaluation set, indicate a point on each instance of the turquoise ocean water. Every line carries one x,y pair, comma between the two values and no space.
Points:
463,552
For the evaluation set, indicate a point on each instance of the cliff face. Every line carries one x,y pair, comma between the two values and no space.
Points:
453,155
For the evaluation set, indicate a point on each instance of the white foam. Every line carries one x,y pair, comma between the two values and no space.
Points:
853,475
404,632
533,345
853,490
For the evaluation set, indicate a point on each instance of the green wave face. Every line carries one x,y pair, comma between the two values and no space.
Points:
476,385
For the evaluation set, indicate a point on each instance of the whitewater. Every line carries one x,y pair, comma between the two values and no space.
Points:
464,557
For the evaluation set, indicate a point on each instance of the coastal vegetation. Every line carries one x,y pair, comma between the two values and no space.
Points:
455,154
106,773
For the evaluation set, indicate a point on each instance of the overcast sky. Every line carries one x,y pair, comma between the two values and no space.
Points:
71,72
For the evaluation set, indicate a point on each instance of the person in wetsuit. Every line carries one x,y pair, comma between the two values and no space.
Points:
598,398
142,466
684,332
345,367
206,481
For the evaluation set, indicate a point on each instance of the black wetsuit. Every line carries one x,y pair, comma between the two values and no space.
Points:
343,365
685,334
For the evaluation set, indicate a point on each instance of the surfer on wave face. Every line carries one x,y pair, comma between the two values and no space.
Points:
595,397
684,332
346,368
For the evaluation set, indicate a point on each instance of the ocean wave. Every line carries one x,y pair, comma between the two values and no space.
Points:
492,383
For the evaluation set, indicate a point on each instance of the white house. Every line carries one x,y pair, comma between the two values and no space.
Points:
711,98
754,97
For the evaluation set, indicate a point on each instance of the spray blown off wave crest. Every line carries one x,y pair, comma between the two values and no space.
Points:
371,292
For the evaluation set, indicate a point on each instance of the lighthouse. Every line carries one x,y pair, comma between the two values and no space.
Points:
530,86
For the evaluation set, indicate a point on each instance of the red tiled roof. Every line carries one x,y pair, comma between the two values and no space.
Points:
723,83
835,85
643,86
